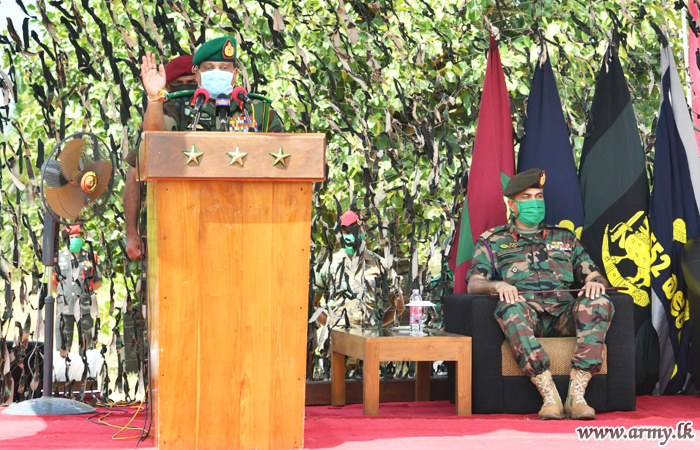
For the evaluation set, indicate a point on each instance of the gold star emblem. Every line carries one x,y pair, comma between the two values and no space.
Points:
280,158
237,157
193,155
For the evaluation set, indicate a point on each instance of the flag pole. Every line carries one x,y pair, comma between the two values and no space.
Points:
686,61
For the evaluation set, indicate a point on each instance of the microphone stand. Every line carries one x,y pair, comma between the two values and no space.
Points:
247,118
222,123
195,119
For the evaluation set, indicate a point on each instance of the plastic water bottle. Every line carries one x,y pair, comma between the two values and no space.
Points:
416,323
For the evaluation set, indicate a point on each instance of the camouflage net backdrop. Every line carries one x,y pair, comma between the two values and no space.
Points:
394,84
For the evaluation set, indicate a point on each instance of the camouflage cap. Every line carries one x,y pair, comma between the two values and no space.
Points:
531,178
219,49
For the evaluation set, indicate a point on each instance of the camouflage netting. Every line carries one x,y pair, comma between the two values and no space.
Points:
395,85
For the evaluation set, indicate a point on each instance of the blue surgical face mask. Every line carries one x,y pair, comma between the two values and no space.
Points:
217,82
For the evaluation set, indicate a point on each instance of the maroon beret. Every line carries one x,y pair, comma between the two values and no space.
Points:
349,218
182,65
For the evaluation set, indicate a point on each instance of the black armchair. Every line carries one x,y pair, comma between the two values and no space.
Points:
496,388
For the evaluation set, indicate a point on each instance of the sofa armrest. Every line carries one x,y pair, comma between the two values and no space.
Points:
620,342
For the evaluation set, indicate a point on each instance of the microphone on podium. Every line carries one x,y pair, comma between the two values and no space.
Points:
223,104
201,96
240,95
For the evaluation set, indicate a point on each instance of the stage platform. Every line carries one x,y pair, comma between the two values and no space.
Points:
404,426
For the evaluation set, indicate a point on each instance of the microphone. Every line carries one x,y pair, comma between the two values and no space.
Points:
223,105
201,96
240,95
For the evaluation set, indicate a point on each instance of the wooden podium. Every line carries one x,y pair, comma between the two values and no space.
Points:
229,229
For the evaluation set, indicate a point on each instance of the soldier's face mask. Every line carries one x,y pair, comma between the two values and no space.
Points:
530,212
352,238
76,244
217,82
186,82
183,87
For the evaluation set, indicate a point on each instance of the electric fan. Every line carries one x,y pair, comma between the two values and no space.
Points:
76,184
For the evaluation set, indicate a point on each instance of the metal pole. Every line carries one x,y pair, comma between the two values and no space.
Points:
49,303
686,59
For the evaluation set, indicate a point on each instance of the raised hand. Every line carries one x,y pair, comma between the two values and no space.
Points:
152,75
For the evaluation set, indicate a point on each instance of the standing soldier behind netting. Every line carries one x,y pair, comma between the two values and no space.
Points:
75,282
353,289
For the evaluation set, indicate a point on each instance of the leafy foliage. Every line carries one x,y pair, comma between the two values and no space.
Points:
395,84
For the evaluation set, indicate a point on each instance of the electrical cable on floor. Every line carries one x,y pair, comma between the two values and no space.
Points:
103,415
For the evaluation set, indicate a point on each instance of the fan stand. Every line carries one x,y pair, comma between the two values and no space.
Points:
47,405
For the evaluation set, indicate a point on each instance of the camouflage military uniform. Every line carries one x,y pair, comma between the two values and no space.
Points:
355,285
74,295
178,116
177,113
356,292
552,259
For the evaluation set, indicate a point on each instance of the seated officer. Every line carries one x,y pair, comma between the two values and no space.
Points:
527,255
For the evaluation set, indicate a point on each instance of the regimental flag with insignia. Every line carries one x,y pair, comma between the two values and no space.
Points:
615,187
492,159
615,192
546,146
673,219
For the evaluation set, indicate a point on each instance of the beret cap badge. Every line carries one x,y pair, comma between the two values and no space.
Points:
229,51
531,178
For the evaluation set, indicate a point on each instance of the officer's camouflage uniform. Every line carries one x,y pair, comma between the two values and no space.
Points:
552,259
356,292
178,116
74,296
355,285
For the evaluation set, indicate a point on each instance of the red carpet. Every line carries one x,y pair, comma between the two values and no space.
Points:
408,426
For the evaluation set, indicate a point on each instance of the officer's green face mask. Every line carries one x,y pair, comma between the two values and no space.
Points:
530,212
352,243
76,244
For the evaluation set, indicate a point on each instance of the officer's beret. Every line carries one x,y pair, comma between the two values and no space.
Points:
219,49
177,67
349,218
531,178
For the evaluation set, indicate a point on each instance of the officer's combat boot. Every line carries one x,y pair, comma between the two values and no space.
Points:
552,408
576,406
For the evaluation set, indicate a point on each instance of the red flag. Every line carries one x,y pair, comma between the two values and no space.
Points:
492,159
694,66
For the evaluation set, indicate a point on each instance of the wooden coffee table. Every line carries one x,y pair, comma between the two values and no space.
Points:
387,345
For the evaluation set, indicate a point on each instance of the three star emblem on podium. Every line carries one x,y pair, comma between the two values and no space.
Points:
237,156
192,155
280,157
